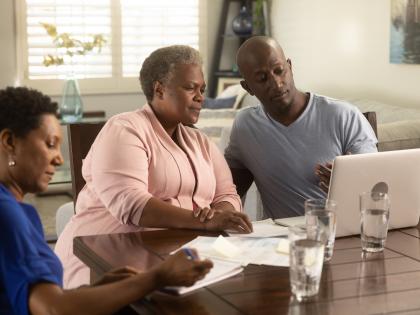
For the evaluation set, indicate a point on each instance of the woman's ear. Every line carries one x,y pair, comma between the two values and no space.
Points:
7,140
158,89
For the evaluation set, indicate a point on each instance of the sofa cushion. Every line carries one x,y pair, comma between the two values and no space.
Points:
219,103
399,135
386,113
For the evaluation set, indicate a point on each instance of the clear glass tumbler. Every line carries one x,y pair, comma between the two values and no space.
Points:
306,260
321,213
374,211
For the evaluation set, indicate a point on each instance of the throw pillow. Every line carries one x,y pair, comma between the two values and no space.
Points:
218,103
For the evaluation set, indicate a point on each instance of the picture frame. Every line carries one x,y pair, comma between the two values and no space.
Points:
224,82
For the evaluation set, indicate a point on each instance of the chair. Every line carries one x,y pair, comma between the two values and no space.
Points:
371,117
62,216
81,137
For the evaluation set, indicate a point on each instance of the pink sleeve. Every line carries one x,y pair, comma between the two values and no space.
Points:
225,189
120,171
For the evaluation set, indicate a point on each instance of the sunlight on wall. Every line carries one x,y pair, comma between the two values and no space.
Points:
348,36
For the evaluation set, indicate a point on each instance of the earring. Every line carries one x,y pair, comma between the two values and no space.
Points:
12,162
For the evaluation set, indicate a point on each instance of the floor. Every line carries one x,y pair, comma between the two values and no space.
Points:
47,205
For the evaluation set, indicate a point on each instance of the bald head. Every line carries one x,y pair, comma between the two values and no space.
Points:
253,49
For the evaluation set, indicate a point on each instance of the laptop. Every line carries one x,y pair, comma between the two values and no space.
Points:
395,172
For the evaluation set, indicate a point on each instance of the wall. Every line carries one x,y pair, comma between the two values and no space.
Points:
340,48
7,43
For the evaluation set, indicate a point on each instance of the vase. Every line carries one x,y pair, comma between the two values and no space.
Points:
71,106
242,23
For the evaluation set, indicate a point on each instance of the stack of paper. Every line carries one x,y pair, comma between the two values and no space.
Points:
231,253
260,251
264,228
221,270
292,221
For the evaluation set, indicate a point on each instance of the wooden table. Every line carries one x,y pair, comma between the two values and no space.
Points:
387,282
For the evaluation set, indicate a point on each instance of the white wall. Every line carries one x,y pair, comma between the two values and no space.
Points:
340,48
7,44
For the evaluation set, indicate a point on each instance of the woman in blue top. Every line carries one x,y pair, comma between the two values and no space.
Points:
30,273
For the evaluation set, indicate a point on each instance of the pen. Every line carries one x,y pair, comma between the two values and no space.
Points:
190,254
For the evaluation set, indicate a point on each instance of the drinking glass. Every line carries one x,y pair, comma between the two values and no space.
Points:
374,210
306,260
321,213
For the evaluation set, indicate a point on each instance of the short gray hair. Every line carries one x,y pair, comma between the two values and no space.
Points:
160,64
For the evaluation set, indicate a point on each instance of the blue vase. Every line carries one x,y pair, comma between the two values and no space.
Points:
242,23
71,106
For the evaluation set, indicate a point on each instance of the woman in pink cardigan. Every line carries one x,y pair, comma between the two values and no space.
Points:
147,168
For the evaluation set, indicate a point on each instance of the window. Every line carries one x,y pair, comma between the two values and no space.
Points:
132,29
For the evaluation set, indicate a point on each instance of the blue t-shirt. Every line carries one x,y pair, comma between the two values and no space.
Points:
25,257
282,159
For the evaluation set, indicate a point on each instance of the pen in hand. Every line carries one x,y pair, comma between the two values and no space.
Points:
190,254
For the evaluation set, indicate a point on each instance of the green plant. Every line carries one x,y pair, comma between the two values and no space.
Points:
259,20
70,46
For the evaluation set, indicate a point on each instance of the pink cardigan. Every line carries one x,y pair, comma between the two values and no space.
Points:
131,160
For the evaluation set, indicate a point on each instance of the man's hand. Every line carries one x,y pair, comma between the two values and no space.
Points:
229,220
180,270
323,171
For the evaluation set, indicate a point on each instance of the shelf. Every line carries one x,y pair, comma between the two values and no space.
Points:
227,74
228,42
233,36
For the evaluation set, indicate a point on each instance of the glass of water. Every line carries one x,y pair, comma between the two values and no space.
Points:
321,213
306,260
374,210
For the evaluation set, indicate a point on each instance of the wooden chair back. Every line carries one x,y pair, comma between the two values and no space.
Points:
81,136
371,117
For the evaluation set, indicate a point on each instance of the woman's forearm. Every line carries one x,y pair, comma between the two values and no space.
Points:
224,205
160,214
46,298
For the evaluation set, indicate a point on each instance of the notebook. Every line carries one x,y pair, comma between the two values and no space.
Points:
221,270
398,172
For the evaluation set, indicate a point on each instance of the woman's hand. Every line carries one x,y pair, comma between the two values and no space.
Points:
204,214
180,270
229,220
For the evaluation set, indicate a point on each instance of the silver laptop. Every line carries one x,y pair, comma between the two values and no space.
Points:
397,172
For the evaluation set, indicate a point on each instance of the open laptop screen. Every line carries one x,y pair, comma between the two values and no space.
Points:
395,172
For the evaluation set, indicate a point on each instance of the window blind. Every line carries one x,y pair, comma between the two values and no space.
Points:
81,19
148,25
132,28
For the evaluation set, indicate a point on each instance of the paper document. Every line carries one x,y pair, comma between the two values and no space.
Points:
221,270
260,251
222,246
264,228
292,221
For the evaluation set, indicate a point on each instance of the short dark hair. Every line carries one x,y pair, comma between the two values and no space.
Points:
160,65
21,109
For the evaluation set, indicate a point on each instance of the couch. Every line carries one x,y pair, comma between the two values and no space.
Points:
398,127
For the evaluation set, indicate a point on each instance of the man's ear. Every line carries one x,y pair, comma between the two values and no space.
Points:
7,140
290,63
158,89
246,87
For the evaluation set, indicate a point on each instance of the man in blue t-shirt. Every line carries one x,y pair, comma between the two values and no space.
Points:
284,143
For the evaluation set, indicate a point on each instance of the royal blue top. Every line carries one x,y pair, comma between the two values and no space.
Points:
25,257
